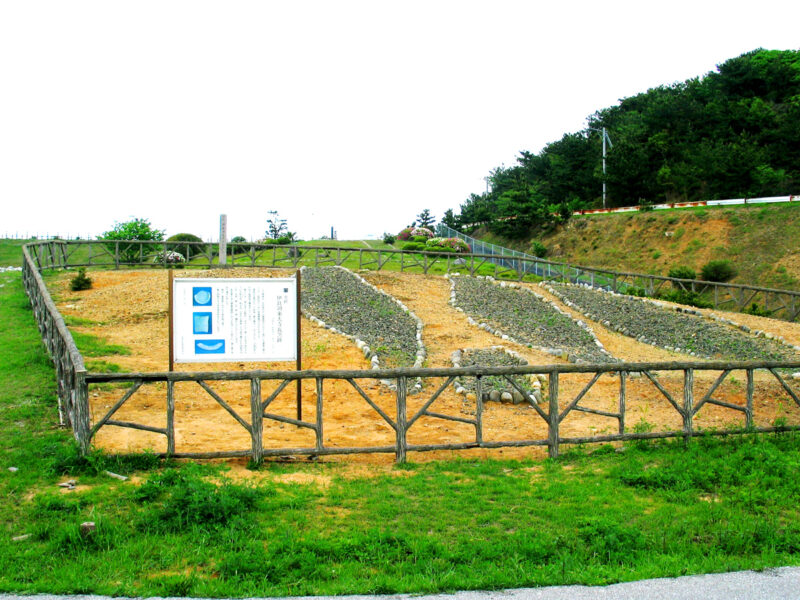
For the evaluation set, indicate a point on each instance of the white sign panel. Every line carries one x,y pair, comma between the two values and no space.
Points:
225,320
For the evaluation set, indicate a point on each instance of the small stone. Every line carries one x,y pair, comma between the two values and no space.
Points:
13,469
517,397
87,528
21,538
796,376
506,397
494,396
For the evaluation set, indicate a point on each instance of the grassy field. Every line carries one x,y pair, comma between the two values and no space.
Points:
594,516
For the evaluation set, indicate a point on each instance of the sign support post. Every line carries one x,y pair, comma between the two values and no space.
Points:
299,351
171,324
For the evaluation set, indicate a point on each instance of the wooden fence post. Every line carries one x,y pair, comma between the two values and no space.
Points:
749,408
319,412
552,417
402,443
80,423
688,403
256,420
622,390
478,410
170,417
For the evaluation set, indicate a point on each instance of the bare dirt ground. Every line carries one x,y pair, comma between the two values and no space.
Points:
130,308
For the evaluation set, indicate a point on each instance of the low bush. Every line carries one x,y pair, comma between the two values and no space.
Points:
404,234
240,244
423,232
438,244
633,290
538,249
388,238
686,297
682,272
188,250
755,309
169,258
415,246
80,281
718,271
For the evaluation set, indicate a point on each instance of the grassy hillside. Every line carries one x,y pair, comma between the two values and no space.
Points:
763,241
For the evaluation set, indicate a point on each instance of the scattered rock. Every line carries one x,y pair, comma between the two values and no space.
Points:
116,476
87,528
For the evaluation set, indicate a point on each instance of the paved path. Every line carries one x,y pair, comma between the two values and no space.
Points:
771,584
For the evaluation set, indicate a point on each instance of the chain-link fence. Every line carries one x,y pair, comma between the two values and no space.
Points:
527,263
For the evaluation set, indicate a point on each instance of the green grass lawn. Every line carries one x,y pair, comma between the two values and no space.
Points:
593,516
11,253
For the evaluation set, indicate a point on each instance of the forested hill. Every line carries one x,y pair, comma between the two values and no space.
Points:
732,133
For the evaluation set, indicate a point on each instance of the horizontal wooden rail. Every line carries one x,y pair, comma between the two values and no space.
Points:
51,254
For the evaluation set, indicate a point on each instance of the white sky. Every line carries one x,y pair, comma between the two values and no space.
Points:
355,115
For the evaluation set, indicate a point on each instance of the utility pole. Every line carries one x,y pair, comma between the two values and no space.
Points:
608,139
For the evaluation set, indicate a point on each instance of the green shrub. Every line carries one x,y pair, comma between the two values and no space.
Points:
718,270
188,250
682,272
633,290
538,249
388,238
685,297
415,246
80,281
418,238
136,229
755,309
241,244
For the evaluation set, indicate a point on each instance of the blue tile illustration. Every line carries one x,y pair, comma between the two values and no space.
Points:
209,347
201,323
201,296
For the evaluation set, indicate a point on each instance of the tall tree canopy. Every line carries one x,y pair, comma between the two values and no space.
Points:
733,133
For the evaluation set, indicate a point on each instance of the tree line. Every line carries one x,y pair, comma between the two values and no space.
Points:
733,133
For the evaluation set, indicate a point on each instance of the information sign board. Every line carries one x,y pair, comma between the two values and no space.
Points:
228,320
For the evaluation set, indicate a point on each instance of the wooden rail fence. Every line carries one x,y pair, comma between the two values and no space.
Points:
74,381
782,304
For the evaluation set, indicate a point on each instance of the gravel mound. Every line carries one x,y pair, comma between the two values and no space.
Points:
678,331
527,318
345,302
496,389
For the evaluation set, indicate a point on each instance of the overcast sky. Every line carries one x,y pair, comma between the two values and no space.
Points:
352,115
